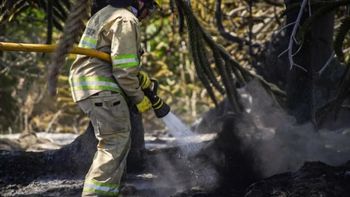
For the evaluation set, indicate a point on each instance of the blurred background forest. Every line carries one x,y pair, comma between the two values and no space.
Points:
247,29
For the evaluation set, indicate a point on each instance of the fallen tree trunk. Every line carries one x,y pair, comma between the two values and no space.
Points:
72,160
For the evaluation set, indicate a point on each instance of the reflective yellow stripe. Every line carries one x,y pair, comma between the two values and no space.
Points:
111,185
102,193
96,87
88,42
93,83
125,60
93,186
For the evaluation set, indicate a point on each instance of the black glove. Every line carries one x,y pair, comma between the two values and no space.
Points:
160,108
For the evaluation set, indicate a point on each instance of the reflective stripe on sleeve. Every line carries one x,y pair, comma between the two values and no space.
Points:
125,61
88,42
93,83
105,189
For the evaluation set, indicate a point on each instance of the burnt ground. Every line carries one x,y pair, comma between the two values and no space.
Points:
313,179
25,173
170,172
223,166
48,187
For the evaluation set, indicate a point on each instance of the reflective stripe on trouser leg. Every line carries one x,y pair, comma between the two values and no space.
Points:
110,118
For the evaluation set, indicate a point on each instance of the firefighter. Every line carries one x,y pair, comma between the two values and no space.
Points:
103,90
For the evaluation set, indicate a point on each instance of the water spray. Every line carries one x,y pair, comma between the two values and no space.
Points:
200,176
176,127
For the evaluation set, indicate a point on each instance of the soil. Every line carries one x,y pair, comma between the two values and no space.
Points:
44,187
26,173
224,166
313,179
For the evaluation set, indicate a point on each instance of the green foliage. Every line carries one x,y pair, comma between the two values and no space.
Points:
227,68
18,70
167,59
55,12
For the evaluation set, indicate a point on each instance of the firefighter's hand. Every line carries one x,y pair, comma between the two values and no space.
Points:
144,105
145,81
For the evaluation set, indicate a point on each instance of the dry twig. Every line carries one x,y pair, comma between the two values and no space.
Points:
292,38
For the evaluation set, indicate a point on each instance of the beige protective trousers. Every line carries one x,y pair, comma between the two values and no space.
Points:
109,114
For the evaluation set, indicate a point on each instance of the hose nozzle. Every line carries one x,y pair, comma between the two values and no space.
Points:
160,108
150,88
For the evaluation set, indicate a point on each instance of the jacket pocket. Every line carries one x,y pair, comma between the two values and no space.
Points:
110,115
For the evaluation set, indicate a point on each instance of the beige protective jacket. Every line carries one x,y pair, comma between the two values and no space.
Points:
116,32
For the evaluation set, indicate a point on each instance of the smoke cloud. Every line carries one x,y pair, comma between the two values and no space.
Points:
178,173
279,143
183,171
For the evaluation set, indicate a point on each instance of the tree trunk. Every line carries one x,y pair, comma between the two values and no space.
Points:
72,160
321,52
304,89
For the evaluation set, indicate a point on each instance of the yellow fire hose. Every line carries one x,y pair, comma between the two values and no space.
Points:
49,48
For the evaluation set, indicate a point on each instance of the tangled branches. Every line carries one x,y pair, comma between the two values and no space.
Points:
340,37
229,70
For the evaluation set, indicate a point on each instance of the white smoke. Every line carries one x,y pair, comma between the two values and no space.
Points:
182,171
181,174
181,131
279,143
